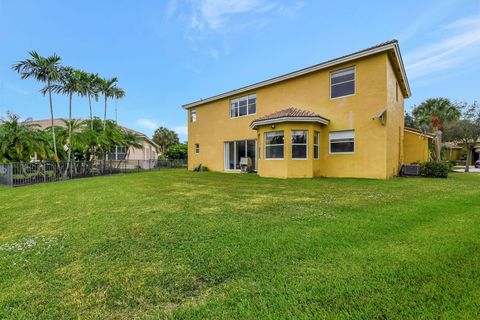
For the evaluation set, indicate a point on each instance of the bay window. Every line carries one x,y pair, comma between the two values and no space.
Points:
299,144
274,145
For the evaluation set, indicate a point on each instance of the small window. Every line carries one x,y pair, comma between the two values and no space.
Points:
342,83
299,144
193,115
396,91
274,144
197,148
316,144
342,141
243,106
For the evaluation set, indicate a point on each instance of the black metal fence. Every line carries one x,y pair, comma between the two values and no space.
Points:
21,174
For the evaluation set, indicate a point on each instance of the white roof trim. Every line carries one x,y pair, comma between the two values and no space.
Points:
419,133
390,46
320,120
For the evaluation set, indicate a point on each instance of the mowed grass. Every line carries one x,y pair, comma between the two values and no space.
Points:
178,244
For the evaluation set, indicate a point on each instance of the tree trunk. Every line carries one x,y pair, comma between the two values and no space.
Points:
105,114
469,160
69,134
438,144
91,113
51,121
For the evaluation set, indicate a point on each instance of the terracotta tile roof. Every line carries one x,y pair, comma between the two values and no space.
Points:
288,113
291,113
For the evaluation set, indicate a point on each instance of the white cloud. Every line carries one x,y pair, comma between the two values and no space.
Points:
147,123
217,20
214,14
459,45
181,130
171,8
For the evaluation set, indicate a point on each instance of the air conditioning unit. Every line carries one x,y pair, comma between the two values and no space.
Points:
246,164
411,170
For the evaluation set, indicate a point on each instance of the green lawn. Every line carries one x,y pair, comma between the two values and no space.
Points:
208,245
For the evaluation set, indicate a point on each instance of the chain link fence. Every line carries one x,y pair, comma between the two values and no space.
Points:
27,173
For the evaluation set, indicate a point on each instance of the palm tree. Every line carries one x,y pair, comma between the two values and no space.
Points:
69,84
89,88
435,112
42,69
109,89
18,142
118,93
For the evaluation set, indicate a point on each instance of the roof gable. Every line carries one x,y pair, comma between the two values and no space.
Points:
389,46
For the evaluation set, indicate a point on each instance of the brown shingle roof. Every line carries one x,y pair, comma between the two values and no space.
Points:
290,114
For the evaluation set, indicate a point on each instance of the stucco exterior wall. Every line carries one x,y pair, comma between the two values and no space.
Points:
415,147
394,123
148,152
312,92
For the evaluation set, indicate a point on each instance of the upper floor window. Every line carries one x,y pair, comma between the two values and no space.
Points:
197,148
299,144
274,145
243,106
342,141
342,83
193,115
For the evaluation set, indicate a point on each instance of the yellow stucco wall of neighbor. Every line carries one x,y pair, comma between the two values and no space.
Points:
378,148
416,147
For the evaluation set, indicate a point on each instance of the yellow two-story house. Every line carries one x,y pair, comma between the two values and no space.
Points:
341,118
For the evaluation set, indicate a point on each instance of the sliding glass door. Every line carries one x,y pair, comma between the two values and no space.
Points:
235,150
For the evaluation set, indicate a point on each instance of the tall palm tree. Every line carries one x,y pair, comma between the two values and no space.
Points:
118,93
69,84
434,113
42,69
109,89
90,87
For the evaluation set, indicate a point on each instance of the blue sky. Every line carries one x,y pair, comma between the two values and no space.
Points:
167,53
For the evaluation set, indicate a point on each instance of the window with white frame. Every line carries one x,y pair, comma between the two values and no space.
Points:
193,115
299,144
118,153
274,145
197,148
316,145
342,83
243,106
342,141
236,150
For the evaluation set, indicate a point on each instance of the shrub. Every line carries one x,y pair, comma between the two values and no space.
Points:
204,169
177,151
435,169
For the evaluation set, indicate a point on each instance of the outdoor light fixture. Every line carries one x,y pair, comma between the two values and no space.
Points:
273,126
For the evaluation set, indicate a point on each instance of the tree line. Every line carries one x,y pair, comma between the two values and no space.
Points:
457,122
69,81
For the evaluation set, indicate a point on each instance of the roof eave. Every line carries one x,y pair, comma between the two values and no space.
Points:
257,123
390,46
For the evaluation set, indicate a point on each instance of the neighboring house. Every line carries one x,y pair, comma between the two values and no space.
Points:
340,118
149,151
455,151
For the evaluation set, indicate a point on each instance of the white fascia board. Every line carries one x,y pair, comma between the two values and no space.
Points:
391,46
